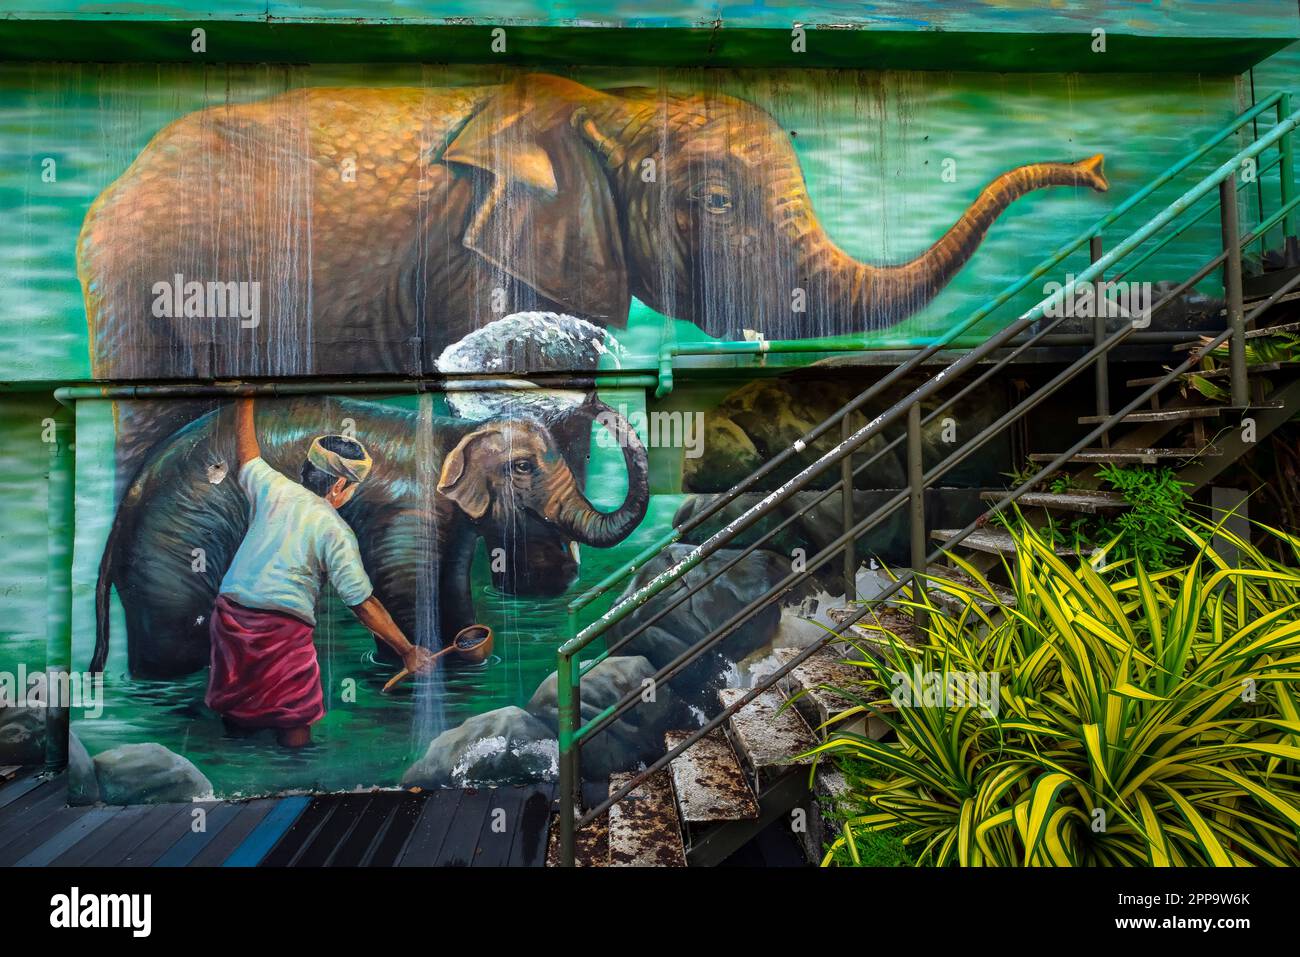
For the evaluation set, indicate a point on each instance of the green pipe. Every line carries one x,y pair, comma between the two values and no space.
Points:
1287,170
58,569
68,394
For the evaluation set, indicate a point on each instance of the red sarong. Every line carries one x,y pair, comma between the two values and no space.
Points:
264,668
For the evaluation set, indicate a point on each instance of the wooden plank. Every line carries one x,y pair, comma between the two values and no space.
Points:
40,831
192,844
397,831
347,810
232,835
528,848
79,828
27,813
368,830
146,840
104,837
497,836
295,840
436,817
463,837
263,837
11,792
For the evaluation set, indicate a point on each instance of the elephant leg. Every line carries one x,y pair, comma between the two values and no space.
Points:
455,562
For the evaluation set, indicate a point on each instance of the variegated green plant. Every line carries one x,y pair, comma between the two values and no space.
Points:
1143,718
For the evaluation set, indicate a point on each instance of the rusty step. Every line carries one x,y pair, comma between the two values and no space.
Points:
709,780
765,734
815,686
1084,500
644,829
1133,456
591,843
991,541
1250,333
1158,415
1206,374
956,603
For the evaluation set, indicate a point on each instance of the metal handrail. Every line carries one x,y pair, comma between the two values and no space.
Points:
1276,101
569,677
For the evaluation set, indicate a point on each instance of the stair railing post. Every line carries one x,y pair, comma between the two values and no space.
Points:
1232,290
1286,176
1102,369
916,508
846,513
567,698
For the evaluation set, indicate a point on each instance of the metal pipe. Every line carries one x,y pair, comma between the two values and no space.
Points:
916,511
1101,383
1240,388
567,689
846,518
60,523
1286,175
66,394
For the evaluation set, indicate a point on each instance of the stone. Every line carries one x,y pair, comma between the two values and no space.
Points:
505,746
148,774
688,623
22,735
636,737
83,785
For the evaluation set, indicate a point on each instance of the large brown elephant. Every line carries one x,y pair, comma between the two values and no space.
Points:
383,224
438,486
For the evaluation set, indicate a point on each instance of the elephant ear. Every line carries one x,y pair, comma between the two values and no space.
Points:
547,217
461,483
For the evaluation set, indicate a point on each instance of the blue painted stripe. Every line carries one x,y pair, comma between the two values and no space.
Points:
188,847
264,836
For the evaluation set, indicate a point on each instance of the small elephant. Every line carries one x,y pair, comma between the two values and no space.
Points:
438,485
234,245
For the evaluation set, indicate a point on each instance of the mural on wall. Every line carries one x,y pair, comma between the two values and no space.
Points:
480,222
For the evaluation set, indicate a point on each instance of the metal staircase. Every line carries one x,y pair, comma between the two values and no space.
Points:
672,812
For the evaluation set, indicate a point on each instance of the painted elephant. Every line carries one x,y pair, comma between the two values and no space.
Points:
438,485
334,231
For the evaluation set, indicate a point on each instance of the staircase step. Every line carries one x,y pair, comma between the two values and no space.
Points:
767,736
894,619
591,844
992,541
1205,374
955,604
1135,456
1159,415
644,829
1088,502
816,676
1288,327
709,780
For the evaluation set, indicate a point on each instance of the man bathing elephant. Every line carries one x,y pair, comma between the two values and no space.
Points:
437,486
264,671
472,202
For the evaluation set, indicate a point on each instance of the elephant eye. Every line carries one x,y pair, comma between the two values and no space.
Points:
521,467
714,197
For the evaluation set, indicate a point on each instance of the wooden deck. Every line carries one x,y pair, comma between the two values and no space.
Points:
485,827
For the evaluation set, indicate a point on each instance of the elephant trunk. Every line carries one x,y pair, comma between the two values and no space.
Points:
588,525
885,294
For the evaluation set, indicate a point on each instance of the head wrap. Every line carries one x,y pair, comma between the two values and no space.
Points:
354,470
